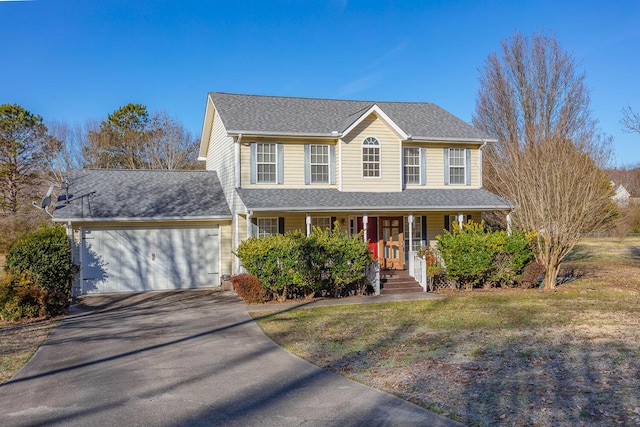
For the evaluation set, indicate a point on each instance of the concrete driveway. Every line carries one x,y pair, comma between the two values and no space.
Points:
184,358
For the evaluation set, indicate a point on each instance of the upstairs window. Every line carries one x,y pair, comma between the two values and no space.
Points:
411,161
319,163
371,158
266,163
457,166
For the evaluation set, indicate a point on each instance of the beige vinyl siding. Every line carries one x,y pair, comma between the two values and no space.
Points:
226,248
435,223
293,159
390,158
435,165
221,155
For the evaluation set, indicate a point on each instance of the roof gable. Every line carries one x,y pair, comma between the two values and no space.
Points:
381,114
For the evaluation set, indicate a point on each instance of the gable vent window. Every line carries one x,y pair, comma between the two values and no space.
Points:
371,158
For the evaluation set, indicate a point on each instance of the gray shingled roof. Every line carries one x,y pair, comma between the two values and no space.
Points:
332,199
311,116
108,194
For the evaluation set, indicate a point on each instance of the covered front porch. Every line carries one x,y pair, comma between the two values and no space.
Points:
397,226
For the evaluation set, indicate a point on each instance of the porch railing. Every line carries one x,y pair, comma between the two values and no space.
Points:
418,269
373,275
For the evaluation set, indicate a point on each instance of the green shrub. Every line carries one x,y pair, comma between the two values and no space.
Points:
274,260
249,288
326,262
43,257
475,255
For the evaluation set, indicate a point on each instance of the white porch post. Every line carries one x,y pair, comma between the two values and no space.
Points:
460,219
509,224
249,228
410,220
308,222
365,222
410,248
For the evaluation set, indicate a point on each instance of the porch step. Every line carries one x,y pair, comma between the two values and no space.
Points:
398,282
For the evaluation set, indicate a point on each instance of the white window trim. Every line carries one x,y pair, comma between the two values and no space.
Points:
327,164
404,166
259,228
275,163
314,219
464,166
379,162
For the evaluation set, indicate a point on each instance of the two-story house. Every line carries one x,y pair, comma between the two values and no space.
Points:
400,172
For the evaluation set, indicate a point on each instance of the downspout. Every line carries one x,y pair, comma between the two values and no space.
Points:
480,162
339,165
237,184
237,161
236,241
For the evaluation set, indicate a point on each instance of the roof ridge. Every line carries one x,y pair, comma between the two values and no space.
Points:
370,101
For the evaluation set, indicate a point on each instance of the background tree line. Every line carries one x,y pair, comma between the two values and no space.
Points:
35,154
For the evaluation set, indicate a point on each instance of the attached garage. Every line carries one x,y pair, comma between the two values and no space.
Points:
143,259
142,230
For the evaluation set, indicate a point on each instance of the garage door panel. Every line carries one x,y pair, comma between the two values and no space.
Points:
121,260
185,258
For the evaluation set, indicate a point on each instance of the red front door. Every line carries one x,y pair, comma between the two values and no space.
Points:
372,233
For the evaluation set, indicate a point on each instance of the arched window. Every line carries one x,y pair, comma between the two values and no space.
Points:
370,158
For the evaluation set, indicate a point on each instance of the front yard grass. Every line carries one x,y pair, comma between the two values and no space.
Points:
19,341
497,357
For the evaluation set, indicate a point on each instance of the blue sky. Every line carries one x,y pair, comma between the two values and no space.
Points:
73,60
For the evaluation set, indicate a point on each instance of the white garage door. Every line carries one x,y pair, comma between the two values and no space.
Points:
141,259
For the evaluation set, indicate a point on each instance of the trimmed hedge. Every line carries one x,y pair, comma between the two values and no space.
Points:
477,256
327,263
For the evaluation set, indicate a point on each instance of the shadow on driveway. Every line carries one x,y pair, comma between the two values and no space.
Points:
184,358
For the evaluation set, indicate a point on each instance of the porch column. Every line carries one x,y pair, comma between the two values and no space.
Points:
308,222
509,224
410,220
249,228
460,219
409,250
365,222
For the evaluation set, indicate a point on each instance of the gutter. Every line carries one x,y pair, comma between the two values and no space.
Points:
291,135
379,209
138,219
450,140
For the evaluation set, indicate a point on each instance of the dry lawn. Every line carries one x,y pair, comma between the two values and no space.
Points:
501,357
19,341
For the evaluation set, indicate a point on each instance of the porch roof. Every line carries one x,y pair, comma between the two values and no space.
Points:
331,200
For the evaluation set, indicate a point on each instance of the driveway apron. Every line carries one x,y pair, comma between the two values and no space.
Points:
181,359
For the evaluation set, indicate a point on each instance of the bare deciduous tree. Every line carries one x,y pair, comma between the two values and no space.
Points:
131,138
63,150
630,120
548,158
